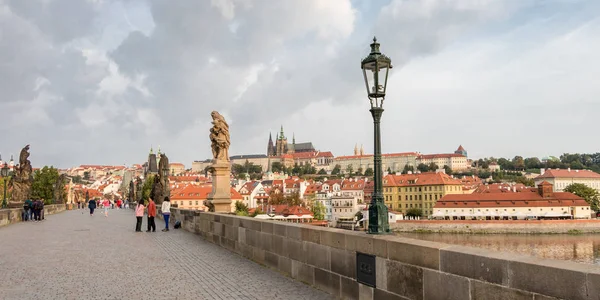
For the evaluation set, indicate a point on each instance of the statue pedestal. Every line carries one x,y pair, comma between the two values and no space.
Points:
221,187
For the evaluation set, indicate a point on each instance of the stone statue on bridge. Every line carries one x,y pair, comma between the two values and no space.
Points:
131,193
22,179
219,137
220,197
163,174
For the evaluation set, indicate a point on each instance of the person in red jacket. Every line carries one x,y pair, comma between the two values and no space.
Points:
151,215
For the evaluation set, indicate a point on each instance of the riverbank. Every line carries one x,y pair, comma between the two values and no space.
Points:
498,226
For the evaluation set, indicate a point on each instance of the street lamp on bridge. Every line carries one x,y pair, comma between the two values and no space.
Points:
4,172
375,68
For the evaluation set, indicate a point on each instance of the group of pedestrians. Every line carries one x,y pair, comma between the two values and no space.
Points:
151,211
33,210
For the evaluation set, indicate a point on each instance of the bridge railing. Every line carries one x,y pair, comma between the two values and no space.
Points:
348,264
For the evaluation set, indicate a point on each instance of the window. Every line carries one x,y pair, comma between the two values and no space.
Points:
190,202
196,202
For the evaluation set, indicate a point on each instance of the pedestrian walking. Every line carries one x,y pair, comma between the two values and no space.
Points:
106,205
139,214
151,215
36,209
92,206
166,211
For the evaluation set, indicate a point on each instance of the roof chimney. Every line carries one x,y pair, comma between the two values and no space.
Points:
568,169
542,171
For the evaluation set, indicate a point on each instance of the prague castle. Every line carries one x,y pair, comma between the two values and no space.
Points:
282,147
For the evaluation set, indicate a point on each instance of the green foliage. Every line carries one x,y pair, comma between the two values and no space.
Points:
423,167
318,210
2,179
241,209
433,167
349,170
147,187
291,199
322,172
77,179
276,167
246,168
525,181
86,175
256,212
369,172
448,170
358,215
407,169
414,212
359,172
43,183
591,196
336,170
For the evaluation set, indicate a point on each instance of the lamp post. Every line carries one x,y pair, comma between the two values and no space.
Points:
375,68
4,173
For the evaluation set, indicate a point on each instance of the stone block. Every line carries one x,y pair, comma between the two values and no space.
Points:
241,235
303,272
216,218
348,288
343,262
267,227
381,273
383,295
415,252
285,265
271,260
319,256
593,285
487,291
311,234
542,297
248,251
359,242
475,263
554,278
228,244
258,255
294,232
444,286
252,237
278,245
236,222
333,238
365,292
327,281
265,241
296,250
216,239
405,280
227,220
280,229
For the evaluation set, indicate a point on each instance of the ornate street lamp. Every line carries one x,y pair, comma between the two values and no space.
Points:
375,68
4,173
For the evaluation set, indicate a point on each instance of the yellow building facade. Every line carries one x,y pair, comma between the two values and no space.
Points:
421,191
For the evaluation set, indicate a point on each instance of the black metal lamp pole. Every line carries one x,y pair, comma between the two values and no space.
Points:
375,70
4,175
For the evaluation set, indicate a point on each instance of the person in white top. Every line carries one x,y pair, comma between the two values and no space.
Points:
166,211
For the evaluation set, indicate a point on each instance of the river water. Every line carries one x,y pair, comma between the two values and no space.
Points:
584,248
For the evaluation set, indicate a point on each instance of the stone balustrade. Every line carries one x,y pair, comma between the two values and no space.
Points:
13,215
404,268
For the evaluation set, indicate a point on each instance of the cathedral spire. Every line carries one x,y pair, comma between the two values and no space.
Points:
151,150
355,149
281,134
293,138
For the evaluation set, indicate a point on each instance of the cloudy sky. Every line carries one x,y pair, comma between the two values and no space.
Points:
100,81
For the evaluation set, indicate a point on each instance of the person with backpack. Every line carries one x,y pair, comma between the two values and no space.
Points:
36,210
27,210
92,206
139,214
166,211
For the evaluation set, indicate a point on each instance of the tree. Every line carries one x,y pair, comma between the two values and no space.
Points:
414,212
533,163
43,183
433,167
359,172
336,170
591,196
389,170
349,170
147,187
407,169
518,162
293,199
369,172
422,167
86,175
322,172
524,180
276,167
241,209
318,210
448,170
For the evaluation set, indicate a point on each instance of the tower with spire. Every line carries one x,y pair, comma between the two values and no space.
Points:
281,145
355,149
270,146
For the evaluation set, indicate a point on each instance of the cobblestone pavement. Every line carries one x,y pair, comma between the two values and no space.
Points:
75,256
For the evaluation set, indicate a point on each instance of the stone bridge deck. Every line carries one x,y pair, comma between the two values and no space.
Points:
74,256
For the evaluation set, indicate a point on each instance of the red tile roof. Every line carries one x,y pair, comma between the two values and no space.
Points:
199,192
567,173
434,156
523,199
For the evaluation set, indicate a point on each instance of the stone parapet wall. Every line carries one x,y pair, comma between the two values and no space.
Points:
499,226
405,268
14,215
